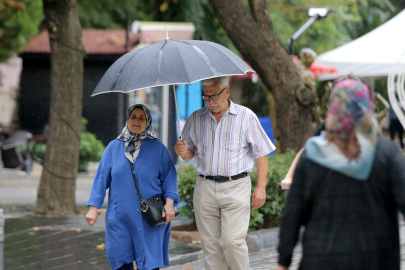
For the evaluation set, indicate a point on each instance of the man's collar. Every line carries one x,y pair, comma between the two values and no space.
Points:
232,108
204,110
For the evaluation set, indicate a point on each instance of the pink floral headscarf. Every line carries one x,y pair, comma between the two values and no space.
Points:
350,109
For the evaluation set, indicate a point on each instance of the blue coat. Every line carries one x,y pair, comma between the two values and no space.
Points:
128,236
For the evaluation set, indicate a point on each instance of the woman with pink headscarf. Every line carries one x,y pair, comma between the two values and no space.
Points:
346,191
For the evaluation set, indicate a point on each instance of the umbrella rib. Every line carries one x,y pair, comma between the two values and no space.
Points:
136,54
204,57
160,60
214,46
185,68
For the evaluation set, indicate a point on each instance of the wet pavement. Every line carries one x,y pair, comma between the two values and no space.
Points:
62,243
18,191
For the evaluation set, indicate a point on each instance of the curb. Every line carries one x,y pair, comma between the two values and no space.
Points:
186,258
257,242
262,239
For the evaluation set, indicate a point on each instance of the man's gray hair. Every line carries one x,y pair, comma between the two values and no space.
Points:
223,82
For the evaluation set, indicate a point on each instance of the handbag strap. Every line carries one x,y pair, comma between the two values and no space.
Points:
136,183
314,200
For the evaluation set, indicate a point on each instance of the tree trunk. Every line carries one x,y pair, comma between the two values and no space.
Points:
56,192
252,34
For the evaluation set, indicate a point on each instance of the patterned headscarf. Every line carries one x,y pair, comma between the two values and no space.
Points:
133,141
350,109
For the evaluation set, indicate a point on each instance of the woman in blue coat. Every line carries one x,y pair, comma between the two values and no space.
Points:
128,235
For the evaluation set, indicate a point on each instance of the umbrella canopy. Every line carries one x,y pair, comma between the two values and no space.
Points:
170,62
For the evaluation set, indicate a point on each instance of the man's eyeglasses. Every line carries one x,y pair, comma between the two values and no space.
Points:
213,97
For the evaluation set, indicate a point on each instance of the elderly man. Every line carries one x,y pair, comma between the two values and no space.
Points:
225,139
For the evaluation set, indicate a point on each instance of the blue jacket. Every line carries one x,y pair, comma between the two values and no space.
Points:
128,236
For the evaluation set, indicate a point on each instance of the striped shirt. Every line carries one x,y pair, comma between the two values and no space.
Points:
228,147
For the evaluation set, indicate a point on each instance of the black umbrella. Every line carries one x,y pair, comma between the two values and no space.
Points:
170,62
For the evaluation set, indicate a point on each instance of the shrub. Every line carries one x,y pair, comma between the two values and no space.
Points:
91,149
37,150
186,181
275,198
265,217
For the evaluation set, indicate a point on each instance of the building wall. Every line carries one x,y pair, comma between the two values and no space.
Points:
101,111
10,72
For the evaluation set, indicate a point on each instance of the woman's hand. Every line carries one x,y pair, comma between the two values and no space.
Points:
286,183
169,214
279,267
92,215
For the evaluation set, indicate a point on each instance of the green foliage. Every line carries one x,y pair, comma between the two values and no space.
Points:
106,14
207,25
37,150
372,13
186,181
19,21
271,210
323,35
256,220
90,148
265,217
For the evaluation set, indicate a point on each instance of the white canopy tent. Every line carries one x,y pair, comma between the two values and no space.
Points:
371,55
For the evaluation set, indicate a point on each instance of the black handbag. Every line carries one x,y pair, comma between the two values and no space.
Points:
153,207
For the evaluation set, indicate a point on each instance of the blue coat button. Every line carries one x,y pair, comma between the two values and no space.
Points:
135,192
137,210
140,229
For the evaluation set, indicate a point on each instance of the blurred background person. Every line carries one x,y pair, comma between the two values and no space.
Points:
348,185
286,182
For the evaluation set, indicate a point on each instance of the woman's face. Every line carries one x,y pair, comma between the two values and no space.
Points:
137,121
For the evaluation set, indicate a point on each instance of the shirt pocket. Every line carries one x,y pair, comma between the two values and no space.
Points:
234,141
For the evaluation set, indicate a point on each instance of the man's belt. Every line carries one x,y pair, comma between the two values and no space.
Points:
225,178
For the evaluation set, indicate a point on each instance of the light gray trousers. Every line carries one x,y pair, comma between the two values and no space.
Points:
222,212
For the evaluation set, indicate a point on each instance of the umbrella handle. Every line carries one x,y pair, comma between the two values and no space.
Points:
177,111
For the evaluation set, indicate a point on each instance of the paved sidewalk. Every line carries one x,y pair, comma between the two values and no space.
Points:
265,259
18,191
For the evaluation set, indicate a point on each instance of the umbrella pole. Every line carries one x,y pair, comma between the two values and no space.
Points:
177,111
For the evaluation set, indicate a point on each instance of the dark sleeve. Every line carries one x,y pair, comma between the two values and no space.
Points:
397,176
319,129
292,215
